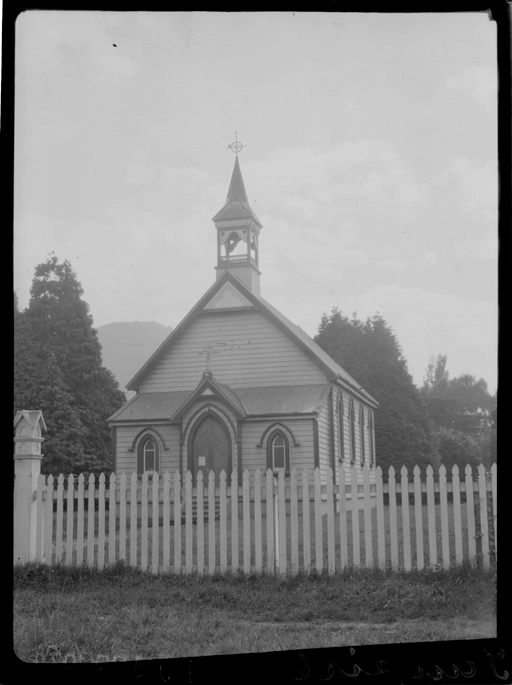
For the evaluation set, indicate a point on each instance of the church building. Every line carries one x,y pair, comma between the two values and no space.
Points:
238,386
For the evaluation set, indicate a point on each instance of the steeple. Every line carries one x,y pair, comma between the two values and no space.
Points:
238,230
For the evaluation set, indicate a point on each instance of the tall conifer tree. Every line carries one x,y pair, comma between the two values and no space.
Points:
370,353
58,369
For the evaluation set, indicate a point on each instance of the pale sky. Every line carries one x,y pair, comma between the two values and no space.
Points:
370,159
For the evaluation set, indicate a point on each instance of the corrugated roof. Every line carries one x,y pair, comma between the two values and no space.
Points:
151,405
291,399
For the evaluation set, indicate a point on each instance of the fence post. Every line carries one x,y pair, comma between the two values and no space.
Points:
27,467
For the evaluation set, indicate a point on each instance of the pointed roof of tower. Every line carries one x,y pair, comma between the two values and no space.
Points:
237,204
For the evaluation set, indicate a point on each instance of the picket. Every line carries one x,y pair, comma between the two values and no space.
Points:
188,522
101,522
381,540
122,517
457,519
144,523
155,551
343,518
79,519
319,550
112,519
431,512
484,527
258,543
70,520
223,523
133,520
282,524
354,495
201,517
406,525
167,523
418,519
200,521
234,521
306,523
90,520
60,519
445,542
393,520
177,522
470,512
494,486
368,545
246,523
211,523
269,494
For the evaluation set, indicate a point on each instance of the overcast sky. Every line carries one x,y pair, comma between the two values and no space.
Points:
370,159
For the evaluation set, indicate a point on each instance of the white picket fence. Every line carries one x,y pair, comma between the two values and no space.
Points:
286,525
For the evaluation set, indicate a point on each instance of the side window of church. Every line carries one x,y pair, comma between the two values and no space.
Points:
352,423
370,435
341,431
148,456
278,452
361,433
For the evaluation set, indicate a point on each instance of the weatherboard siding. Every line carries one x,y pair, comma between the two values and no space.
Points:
126,461
257,353
301,456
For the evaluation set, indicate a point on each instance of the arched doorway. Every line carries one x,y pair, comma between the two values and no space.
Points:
209,448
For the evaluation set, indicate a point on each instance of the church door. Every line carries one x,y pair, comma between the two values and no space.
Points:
211,448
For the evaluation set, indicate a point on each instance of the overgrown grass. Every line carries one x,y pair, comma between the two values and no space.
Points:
81,614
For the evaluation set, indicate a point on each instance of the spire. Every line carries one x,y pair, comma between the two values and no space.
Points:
237,204
236,192
238,230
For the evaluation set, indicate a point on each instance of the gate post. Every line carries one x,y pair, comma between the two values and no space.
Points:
27,467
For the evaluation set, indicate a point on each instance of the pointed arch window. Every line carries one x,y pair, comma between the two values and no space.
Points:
148,455
352,425
278,451
361,433
341,429
370,435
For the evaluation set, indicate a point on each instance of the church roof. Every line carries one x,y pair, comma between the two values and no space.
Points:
237,204
333,370
268,401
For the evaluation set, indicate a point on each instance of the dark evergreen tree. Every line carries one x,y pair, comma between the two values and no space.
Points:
462,404
370,353
455,447
58,370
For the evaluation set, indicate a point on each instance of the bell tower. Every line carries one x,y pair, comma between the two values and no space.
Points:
238,230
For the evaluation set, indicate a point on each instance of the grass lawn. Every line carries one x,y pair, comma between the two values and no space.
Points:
81,615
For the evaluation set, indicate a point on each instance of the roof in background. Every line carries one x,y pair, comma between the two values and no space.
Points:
280,400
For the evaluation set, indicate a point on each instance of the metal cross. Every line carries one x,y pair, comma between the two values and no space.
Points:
236,147
209,351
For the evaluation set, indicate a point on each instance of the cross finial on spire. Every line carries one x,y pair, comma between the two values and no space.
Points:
236,147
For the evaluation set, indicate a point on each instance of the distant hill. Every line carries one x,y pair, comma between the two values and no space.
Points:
128,345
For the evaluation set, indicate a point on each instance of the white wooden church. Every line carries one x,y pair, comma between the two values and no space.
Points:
270,397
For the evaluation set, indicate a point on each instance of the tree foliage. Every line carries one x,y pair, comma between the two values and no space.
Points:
370,353
58,370
462,404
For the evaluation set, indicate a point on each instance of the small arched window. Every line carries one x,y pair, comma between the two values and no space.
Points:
361,433
341,429
148,460
278,451
352,424
370,435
